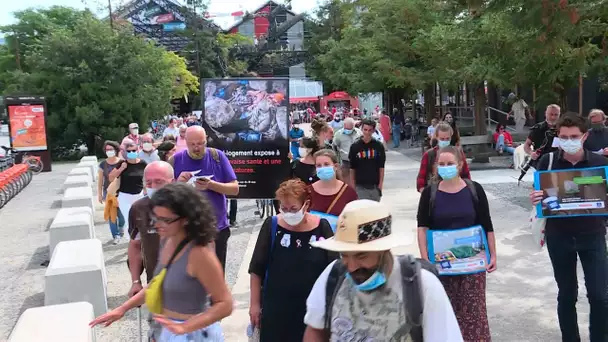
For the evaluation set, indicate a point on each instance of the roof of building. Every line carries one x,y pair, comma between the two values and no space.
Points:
248,16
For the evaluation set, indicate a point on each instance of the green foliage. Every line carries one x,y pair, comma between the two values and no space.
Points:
97,80
413,43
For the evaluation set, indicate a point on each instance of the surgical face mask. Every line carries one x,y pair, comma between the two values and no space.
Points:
147,147
377,280
447,172
132,155
134,131
570,146
293,219
326,172
111,153
347,131
150,192
303,152
443,143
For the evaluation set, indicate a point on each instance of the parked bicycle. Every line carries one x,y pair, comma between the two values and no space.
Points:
265,208
13,157
12,181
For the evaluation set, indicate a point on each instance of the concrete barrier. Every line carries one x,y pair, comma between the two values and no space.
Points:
77,273
78,181
80,171
65,322
89,158
71,224
78,197
92,165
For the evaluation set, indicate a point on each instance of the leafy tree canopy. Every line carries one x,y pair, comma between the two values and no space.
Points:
97,80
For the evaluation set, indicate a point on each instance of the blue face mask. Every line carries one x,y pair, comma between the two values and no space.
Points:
131,155
443,143
372,283
447,172
326,172
150,192
347,131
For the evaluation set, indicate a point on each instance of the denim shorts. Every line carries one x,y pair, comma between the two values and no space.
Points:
212,333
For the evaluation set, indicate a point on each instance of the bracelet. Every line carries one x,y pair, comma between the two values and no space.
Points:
136,281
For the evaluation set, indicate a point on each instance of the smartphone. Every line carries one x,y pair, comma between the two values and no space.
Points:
203,177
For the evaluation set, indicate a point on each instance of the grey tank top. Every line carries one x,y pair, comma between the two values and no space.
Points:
181,292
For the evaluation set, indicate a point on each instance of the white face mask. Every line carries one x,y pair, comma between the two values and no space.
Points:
111,154
303,152
135,131
293,219
147,147
570,146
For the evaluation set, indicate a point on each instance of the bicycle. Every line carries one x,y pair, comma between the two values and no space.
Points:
34,163
264,206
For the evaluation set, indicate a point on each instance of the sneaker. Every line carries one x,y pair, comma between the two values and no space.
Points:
116,240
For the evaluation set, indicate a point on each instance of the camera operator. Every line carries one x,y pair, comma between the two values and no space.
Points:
542,134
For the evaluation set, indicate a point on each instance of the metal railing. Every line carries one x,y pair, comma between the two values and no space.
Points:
492,121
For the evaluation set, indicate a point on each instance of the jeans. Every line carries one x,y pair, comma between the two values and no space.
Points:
501,144
211,333
369,192
591,249
396,135
117,228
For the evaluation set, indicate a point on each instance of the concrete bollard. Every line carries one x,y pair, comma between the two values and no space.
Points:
71,224
89,158
78,197
65,322
78,182
93,166
81,171
77,273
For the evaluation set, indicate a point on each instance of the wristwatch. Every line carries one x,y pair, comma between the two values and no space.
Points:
136,281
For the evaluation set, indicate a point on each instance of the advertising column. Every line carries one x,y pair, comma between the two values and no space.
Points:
27,126
248,120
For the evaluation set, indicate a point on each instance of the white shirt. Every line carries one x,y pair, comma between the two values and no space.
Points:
171,131
519,109
438,319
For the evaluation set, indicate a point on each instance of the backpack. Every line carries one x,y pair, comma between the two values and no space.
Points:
435,186
412,291
214,154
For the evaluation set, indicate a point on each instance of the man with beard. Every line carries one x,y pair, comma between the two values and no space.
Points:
542,134
214,177
369,294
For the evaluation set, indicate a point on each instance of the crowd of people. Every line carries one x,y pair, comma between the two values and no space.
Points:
313,280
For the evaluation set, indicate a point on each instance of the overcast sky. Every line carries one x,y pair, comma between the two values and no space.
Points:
215,7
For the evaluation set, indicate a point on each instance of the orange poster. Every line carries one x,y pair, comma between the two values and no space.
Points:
28,129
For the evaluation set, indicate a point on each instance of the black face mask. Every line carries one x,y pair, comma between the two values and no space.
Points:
362,274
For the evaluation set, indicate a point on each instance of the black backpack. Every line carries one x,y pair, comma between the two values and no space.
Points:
470,185
410,277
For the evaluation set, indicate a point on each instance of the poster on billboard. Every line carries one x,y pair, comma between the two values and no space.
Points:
27,127
247,118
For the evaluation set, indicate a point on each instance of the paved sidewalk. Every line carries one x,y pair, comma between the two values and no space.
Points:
521,294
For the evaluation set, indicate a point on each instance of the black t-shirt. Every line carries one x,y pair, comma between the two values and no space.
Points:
366,159
579,224
132,178
597,139
307,173
542,136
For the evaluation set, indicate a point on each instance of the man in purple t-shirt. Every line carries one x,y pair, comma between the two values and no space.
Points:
210,162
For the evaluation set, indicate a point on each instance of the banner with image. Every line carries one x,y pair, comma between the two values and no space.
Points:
458,251
247,118
27,127
332,219
572,192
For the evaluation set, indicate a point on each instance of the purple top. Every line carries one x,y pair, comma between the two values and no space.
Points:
454,211
222,173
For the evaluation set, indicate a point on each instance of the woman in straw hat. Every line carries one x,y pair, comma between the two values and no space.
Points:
457,204
367,302
284,266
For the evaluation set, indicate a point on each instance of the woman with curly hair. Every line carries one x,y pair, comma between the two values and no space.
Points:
185,222
284,266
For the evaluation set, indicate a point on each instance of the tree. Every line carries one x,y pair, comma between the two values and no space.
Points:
98,80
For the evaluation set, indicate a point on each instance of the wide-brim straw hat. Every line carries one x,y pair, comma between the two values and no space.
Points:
363,226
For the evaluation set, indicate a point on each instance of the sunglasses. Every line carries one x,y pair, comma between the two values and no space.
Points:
131,150
164,220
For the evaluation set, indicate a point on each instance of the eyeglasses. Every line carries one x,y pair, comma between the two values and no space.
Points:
163,220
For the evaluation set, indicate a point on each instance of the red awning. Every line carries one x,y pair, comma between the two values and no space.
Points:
337,95
303,99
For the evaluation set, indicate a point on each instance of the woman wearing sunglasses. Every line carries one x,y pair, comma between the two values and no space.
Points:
130,174
185,222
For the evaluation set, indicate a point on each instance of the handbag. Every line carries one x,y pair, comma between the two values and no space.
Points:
333,203
154,291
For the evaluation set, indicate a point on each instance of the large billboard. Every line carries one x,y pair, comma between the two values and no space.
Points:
247,118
